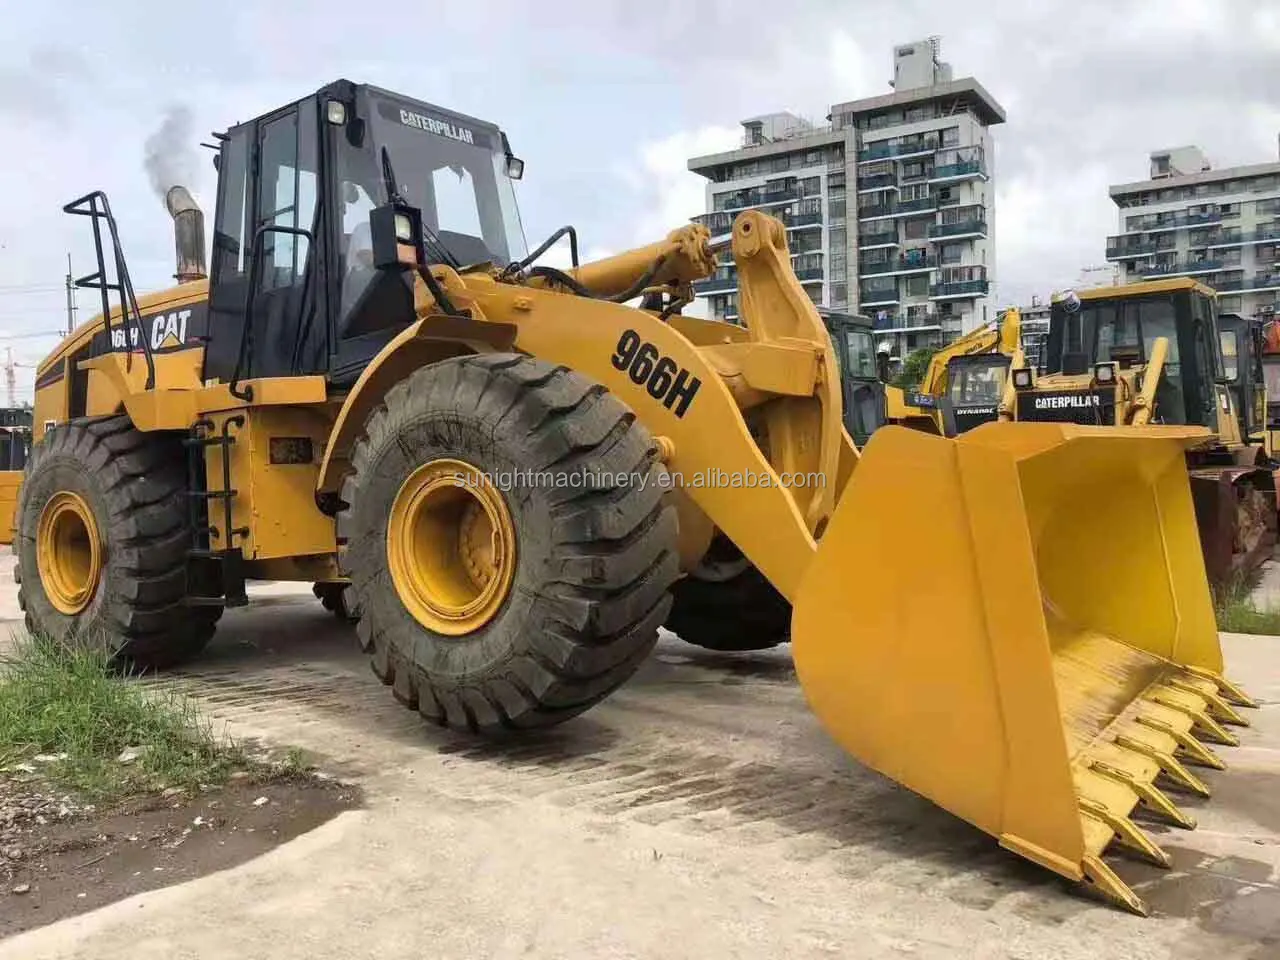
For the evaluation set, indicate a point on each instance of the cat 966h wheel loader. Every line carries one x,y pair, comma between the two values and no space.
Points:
512,470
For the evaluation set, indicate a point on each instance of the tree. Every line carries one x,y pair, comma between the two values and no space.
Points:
913,368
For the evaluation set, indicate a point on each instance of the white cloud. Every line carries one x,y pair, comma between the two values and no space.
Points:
668,193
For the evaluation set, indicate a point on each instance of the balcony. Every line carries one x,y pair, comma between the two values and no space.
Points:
1118,249
1175,221
918,263
722,282
768,195
875,211
968,222
722,221
1181,268
793,221
878,181
1213,239
1270,231
883,151
913,321
918,205
962,170
880,238
1262,281
959,290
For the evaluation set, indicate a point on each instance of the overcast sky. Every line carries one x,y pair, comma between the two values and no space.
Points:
606,100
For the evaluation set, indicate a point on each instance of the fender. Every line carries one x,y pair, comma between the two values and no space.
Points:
425,341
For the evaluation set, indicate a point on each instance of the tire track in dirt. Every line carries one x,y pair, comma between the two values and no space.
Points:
847,819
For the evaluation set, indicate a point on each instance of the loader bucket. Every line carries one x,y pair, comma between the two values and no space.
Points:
1030,641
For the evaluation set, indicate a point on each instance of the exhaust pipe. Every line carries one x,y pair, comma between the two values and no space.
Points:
188,233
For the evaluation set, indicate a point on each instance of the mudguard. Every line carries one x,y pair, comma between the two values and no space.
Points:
1054,655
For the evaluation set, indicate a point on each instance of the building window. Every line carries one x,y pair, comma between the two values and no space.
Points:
918,286
835,209
780,164
952,252
1229,305
951,136
915,229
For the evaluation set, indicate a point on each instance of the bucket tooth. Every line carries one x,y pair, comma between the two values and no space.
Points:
1103,879
1149,795
1200,718
1196,751
1218,707
1229,690
1171,766
1127,832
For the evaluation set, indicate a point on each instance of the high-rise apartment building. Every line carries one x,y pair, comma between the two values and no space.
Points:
889,206
1188,220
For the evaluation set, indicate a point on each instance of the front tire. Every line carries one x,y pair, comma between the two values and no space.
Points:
493,605
728,606
103,533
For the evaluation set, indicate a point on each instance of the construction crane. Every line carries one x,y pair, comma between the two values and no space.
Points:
11,365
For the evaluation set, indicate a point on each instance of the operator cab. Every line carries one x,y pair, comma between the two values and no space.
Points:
1241,342
1116,328
296,191
860,385
975,385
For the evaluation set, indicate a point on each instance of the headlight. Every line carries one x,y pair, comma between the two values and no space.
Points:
404,228
1022,378
1104,372
336,112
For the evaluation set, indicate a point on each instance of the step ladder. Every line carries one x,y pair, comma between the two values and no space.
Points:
229,560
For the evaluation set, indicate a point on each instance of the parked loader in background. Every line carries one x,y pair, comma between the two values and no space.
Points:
1270,347
15,446
965,382
1242,364
1150,353
516,473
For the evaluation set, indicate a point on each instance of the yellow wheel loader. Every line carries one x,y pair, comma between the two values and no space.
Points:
1152,352
15,446
514,475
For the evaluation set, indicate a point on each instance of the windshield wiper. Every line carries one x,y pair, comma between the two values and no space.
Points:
435,246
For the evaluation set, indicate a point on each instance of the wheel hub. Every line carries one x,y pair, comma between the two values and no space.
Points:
68,552
450,547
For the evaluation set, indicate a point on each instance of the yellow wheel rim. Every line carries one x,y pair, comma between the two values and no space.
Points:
451,547
68,552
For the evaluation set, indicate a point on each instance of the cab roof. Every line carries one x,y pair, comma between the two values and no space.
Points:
1146,287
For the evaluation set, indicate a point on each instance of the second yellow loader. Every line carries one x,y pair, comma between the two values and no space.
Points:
518,477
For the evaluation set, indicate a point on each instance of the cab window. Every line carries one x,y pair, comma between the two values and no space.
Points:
1230,354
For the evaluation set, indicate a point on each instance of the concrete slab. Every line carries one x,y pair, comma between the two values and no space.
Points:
699,812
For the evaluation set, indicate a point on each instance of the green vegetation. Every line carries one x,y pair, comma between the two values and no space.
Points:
67,715
1237,613
913,368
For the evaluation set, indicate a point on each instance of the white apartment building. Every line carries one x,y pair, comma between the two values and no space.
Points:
1188,220
889,207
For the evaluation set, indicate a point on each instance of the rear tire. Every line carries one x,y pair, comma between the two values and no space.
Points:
728,605
591,566
134,487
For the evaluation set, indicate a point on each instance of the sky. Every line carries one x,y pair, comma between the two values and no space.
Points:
605,100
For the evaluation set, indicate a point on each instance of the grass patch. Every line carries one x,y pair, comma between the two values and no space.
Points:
1237,613
96,733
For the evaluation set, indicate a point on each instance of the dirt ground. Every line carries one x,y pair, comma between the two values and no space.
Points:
58,859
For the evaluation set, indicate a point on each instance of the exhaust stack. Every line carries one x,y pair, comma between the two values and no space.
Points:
188,234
